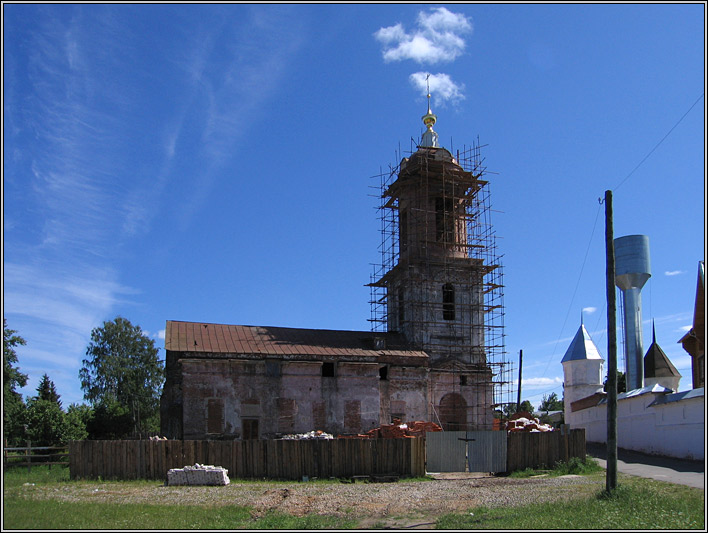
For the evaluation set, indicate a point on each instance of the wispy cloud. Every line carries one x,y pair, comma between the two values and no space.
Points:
589,310
436,39
441,87
674,272
95,172
55,307
78,116
253,63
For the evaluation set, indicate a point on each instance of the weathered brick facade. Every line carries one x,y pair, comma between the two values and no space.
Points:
347,387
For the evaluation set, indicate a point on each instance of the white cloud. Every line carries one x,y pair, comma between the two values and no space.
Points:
685,329
161,334
442,88
589,310
437,38
673,272
540,383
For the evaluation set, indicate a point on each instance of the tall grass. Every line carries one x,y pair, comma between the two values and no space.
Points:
51,514
17,475
575,465
637,503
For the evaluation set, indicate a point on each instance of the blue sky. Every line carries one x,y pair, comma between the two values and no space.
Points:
213,163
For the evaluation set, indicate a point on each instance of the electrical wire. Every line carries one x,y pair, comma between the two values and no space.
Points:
596,217
577,284
659,143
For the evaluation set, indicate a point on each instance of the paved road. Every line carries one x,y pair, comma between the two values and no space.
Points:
683,472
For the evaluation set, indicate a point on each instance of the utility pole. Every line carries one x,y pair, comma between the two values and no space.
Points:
518,396
611,481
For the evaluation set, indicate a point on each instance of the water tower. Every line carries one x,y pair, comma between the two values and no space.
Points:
632,270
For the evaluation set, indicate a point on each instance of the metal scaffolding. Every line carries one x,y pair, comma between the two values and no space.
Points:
445,232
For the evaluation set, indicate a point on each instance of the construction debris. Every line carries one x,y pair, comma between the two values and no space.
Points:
317,434
397,430
198,475
526,422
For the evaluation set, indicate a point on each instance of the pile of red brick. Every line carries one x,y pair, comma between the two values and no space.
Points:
420,428
398,431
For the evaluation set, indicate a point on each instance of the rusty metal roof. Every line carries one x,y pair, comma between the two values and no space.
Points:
200,337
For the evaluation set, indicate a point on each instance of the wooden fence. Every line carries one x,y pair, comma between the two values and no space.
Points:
249,459
543,449
295,459
28,456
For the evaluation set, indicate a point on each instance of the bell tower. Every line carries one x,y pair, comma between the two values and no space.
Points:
437,283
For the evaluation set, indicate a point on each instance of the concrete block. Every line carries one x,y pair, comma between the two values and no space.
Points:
198,475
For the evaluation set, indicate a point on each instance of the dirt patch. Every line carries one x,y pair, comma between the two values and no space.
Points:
401,505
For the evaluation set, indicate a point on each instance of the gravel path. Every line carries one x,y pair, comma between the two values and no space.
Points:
363,501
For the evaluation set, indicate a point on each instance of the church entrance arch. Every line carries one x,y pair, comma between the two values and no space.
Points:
453,412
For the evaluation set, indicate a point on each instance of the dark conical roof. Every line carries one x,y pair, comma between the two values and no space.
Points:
656,363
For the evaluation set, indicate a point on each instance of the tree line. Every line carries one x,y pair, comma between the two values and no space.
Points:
121,379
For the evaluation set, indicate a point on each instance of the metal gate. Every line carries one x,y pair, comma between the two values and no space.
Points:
465,451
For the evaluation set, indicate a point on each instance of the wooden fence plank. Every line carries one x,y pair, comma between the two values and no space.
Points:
292,459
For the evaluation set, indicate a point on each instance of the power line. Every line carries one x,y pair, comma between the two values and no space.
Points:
595,224
661,141
577,284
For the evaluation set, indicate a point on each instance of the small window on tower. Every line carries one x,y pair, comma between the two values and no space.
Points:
448,298
327,370
444,220
463,380
403,229
401,307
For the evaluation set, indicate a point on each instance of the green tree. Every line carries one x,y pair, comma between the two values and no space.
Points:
13,404
12,377
47,391
77,418
45,422
109,420
621,382
510,408
551,403
123,375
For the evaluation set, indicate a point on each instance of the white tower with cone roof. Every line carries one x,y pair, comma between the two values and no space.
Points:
582,370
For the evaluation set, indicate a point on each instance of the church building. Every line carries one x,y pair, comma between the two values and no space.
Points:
433,297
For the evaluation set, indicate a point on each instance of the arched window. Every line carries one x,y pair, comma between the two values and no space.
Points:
448,301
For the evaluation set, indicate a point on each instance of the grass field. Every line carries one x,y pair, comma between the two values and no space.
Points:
636,504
